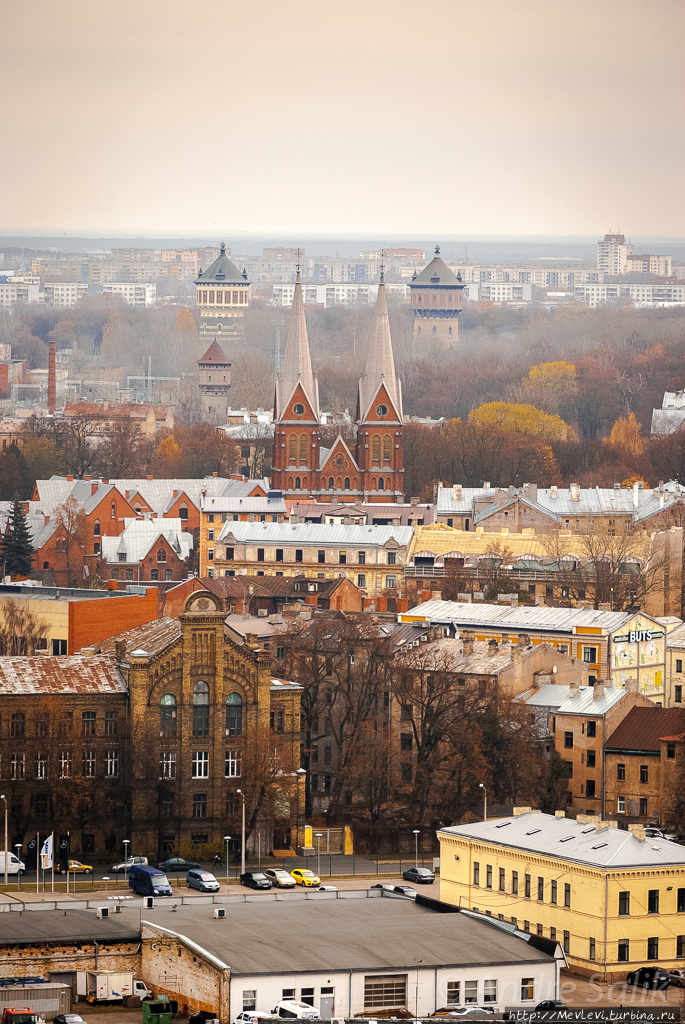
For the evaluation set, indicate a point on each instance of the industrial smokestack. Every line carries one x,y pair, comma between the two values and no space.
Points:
52,380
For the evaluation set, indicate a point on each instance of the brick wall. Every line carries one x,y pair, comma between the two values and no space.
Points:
41,958
185,972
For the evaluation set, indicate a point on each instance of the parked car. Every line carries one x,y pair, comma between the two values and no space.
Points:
649,977
205,881
202,1017
461,1011
281,879
422,875
656,833
294,1008
178,864
400,890
68,1018
305,877
251,1016
78,868
255,880
677,977
551,1004
124,865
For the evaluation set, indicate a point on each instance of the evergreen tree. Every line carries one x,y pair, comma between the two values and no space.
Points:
17,550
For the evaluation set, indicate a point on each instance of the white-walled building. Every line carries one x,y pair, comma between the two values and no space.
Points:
612,254
16,290
64,293
132,294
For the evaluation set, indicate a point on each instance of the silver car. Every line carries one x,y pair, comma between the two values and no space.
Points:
280,878
198,878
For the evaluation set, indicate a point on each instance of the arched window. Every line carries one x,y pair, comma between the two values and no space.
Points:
381,485
96,528
331,483
347,483
376,448
298,484
154,574
183,512
167,716
234,715
292,448
161,555
387,447
114,511
303,447
201,709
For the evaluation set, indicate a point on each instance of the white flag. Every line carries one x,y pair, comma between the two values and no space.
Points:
46,853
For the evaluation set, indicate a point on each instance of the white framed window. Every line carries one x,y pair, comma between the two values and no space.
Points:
391,582
41,765
621,805
249,999
232,764
490,991
470,991
65,764
201,764
18,766
112,764
527,989
453,993
89,764
167,764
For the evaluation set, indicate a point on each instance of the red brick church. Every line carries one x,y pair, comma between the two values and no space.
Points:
301,467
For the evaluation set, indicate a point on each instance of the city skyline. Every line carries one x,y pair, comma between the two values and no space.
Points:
484,119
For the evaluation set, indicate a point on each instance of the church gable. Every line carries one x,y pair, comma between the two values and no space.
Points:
381,409
339,460
299,408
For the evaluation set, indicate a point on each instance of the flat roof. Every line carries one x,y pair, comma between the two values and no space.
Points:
519,619
66,926
66,593
565,839
345,933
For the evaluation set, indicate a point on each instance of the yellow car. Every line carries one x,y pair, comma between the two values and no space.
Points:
78,868
304,877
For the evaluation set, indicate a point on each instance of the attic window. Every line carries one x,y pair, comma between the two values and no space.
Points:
533,831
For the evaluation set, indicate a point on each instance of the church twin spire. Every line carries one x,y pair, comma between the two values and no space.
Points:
297,362
380,364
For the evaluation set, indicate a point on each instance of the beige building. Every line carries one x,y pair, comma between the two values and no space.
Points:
64,293
133,294
612,254
223,295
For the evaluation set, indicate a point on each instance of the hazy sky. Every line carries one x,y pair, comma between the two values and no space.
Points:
498,117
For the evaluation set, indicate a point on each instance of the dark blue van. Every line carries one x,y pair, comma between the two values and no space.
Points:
148,881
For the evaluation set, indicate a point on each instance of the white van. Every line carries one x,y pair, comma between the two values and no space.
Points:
14,865
290,1008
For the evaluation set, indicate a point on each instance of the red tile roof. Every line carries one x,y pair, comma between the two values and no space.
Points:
643,728
215,354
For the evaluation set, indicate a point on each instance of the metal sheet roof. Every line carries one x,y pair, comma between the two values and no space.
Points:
240,503
316,533
521,619
354,933
596,501
558,698
642,728
156,493
139,535
72,674
565,839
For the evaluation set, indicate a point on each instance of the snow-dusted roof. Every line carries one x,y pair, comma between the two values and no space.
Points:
140,535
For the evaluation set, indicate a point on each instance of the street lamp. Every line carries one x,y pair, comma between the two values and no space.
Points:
4,799
17,847
299,775
105,879
485,801
242,842
318,854
127,843
416,1009
416,847
227,840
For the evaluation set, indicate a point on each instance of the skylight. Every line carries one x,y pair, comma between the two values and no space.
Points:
533,831
599,846
503,825
566,839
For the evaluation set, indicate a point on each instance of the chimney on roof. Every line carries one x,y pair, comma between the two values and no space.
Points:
501,496
531,491
560,814
70,478
215,474
120,650
105,479
516,654
574,688
486,485
93,488
630,684
617,487
86,478
524,639
638,831
554,491
523,810
598,689
492,648
575,492
457,492
87,652
149,477
636,494
467,638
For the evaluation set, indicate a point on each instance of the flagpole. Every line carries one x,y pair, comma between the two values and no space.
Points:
53,862
37,860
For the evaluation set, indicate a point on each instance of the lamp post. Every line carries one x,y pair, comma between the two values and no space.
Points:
299,775
105,879
485,801
17,847
242,841
4,800
227,840
259,851
416,847
126,846
318,854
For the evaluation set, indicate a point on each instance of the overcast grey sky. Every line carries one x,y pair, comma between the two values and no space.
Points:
499,117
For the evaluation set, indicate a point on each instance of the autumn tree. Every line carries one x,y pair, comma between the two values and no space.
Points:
625,434
522,419
71,521
117,455
21,632
551,387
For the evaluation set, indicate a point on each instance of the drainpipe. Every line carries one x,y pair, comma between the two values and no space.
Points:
96,955
349,997
606,901
604,769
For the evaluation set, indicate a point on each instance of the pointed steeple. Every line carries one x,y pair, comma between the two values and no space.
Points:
380,364
297,363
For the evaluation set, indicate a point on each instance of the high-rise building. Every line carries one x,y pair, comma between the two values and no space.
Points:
301,468
612,254
436,299
222,297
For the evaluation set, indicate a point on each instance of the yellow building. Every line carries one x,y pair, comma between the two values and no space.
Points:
223,295
613,898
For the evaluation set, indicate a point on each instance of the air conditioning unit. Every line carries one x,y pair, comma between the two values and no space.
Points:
103,911
337,1020
117,909
148,902
220,913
